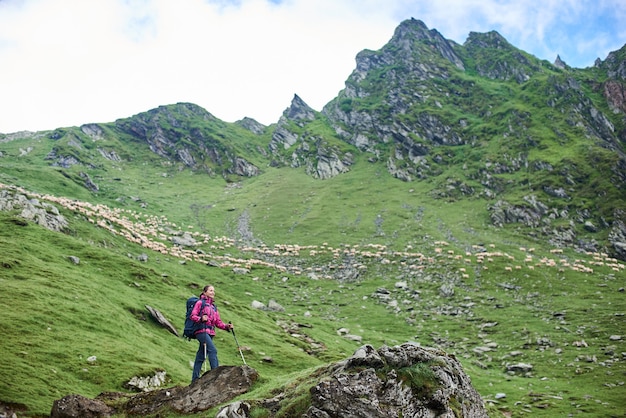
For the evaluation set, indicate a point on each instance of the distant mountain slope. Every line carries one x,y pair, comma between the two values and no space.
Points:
543,145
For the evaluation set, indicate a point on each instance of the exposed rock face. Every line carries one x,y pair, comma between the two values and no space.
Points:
172,133
617,234
109,155
615,93
292,144
89,183
514,65
42,213
329,164
93,130
403,61
161,319
559,63
74,406
615,64
252,125
400,381
299,113
214,387
370,384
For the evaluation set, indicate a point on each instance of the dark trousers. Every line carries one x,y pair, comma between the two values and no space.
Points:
206,349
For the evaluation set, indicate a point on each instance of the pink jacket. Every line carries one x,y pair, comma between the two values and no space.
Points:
210,310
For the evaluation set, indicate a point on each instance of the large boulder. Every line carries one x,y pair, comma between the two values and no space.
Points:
406,380
74,406
401,381
213,388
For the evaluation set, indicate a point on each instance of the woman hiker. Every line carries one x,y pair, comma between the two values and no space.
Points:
205,314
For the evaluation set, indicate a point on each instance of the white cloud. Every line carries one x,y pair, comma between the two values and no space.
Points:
68,62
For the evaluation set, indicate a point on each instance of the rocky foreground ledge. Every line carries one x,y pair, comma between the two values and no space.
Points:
404,380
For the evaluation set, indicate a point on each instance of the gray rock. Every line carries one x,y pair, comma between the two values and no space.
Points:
258,305
146,383
77,406
186,240
213,388
237,409
252,125
353,337
519,368
275,306
368,385
160,318
42,213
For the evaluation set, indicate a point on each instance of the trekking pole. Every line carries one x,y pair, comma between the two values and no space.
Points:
205,357
237,342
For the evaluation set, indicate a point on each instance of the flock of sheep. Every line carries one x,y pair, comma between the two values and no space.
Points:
156,233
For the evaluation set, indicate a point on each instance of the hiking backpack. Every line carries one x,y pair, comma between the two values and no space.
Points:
190,326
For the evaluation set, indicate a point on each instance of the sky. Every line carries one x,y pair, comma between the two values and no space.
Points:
70,62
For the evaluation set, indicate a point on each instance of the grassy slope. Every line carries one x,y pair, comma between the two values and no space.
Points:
97,307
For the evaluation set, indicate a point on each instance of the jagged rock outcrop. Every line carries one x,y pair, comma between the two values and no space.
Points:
559,63
172,132
614,89
42,213
617,234
89,183
512,63
7,137
64,161
414,56
77,406
615,65
294,145
405,380
328,163
93,131
252,125
162,320
297,113
213,388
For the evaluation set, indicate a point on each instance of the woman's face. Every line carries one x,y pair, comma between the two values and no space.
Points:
210,292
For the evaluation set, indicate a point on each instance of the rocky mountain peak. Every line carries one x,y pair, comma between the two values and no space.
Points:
615,64
488,40
495,58
299,110
185,133
414,31
559,63
252,125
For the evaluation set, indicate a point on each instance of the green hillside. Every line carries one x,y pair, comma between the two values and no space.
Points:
466,197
